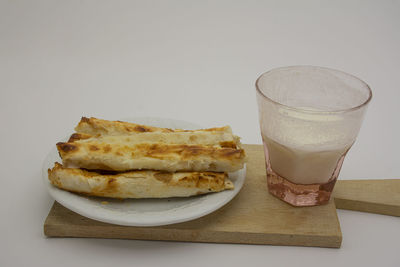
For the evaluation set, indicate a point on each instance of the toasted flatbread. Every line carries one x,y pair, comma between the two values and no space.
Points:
94,126
221,139
123,146
94,153
138,184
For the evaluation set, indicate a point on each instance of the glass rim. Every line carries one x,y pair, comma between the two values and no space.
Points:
364,103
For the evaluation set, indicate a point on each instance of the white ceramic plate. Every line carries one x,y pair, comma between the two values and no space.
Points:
143,212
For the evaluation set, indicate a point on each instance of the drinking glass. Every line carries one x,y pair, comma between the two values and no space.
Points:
309,118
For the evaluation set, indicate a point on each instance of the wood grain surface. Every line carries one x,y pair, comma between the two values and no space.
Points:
375,196
252,217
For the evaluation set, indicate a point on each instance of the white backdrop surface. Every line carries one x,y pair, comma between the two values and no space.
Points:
194,61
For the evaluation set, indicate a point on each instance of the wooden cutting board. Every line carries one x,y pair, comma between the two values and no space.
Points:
374,196
252,217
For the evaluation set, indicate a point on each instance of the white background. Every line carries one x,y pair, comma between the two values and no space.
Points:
188,60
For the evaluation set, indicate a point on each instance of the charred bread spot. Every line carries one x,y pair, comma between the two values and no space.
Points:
141,129
190,151
111,180
187,180
107,148
85,119
93,148
78,136
228,144
155,150
74,137
67,147
164,177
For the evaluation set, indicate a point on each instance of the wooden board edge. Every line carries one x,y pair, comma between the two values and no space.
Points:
363,206
198,237
339,230
108,231
47,221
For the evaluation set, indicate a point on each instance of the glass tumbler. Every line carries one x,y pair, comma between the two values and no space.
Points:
309,118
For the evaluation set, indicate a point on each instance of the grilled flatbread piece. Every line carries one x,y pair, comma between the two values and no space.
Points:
221,139
94,126
120,155
123,146
138,184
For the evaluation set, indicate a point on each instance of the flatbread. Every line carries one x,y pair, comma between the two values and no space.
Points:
94,126
138,184
118,156
219,138
124,146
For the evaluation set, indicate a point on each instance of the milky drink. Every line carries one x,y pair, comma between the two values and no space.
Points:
304,164
305,148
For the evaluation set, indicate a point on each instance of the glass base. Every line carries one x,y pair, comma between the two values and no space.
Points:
299,194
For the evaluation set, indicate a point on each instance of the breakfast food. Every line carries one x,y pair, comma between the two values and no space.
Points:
218,138
95,126
97,154
127,160
102,145
138,184
89,127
